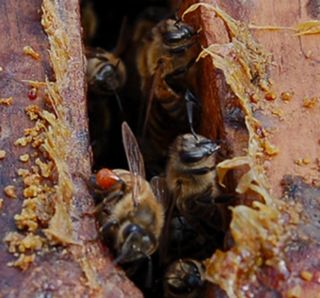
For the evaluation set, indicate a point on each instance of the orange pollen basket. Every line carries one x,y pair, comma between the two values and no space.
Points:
105,178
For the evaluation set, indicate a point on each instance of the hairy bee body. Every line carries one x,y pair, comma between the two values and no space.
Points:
191,179
106,73
185,241
121,218
129,214
170,47
165,62
184,278
106,76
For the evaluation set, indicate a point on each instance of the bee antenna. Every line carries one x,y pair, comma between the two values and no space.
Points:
176,17
118,100
118,259
190,102
124,251
149,272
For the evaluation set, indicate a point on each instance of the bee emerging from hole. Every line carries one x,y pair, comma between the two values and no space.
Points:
164,57
130,216
106,73
184,278
166,66
191,180
106,78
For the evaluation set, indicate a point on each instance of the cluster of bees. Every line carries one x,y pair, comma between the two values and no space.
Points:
170,216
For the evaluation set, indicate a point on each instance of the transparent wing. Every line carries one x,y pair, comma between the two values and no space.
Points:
134,159
154,81
159,188
161,191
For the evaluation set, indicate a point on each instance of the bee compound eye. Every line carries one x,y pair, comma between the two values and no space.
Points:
131,229
107,70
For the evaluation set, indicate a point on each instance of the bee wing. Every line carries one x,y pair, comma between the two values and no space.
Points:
154,81
122,37
161,191
159,188
134,159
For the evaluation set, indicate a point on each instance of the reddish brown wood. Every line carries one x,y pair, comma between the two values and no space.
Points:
293,129
60,271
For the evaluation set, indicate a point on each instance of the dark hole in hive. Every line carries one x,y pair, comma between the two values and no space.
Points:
105,120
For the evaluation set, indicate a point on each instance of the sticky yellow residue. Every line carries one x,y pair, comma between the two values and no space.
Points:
58,39
254,245
302,161
22,243
270,149
23,262
277,112
308,27
286,96
23,141
90,273
306,275
310,103
270,96
304,28
295,292
6,101
28,50
48,187
10,191
2,154
24,157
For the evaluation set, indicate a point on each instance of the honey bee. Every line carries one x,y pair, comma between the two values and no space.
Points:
180,239
184,278
164,56
166,66
191,180
106,77
185,241
130,216
106,73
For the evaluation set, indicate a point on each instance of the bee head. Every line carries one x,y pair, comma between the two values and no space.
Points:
108,79
183,277
194,148
137,244
177,36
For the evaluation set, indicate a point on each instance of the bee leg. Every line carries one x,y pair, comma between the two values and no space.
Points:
176,79
108,230
191,101
149,273
104,205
